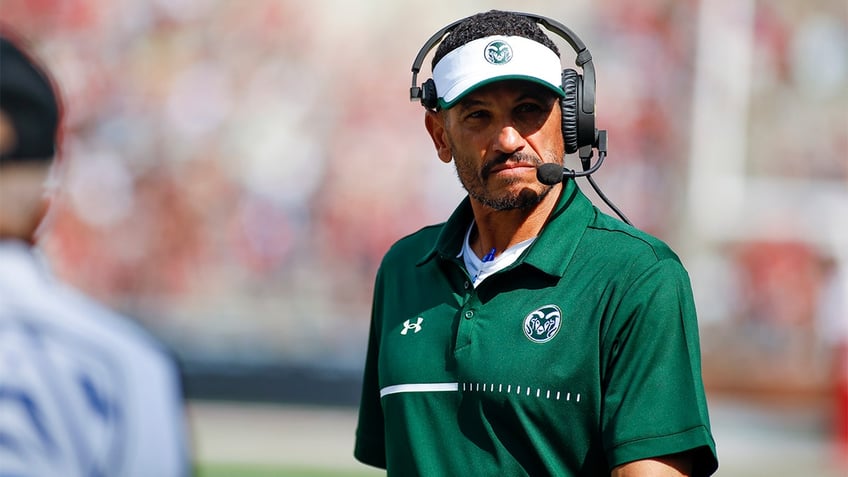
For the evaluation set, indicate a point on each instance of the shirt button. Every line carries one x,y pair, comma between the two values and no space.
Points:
469,314
467,285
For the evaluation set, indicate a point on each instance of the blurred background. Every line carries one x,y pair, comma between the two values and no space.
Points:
236,170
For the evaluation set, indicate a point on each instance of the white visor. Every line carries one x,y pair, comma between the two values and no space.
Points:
495,58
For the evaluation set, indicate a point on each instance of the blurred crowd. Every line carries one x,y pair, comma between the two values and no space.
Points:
237,169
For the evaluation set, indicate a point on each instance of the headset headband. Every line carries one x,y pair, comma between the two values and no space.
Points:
584,57
578,104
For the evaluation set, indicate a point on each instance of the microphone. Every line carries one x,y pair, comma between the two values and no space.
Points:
550,173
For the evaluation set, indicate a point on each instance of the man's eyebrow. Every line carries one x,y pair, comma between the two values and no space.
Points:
539,95
468,103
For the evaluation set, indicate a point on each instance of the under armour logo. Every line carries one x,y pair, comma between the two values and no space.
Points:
408,325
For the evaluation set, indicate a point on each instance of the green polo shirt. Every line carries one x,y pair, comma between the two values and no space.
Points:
580,356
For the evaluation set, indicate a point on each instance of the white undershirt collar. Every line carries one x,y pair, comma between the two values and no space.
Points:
479,270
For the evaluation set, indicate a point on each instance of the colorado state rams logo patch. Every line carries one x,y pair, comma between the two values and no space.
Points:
498,52
542,324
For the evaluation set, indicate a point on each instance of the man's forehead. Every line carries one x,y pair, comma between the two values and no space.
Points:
508,89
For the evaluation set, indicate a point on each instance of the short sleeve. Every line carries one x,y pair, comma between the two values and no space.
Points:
654,400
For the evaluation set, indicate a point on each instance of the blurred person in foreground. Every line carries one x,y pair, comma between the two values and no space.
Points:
529,334
83,391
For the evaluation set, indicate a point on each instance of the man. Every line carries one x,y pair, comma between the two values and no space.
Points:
530,334
83,391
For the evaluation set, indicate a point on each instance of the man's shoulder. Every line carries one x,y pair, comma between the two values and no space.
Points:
617,238
415,246
39,302
126,329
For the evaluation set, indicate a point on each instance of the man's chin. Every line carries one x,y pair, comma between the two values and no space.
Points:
524,199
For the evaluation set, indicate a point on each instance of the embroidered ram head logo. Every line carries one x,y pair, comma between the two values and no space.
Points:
498,52
542,324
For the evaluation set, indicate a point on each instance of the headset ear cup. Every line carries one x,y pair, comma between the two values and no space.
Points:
429,96
570,78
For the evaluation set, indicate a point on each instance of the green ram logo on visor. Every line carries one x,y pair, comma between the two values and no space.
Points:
498,52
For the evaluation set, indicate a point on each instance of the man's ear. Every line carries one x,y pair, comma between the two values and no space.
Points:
435,123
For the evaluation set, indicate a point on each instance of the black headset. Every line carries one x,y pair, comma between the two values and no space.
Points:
578,105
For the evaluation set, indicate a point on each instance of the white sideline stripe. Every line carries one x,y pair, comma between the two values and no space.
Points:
419,388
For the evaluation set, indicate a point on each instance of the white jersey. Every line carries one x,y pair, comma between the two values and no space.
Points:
83,391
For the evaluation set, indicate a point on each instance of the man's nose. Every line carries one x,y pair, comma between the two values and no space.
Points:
508,139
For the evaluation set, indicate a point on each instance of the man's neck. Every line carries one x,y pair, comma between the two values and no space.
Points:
501,229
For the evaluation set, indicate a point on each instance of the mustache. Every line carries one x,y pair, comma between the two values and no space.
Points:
517,157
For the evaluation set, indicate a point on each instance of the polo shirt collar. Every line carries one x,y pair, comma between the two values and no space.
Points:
552,250
449,242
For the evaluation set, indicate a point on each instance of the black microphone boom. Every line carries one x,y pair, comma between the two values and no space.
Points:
550,173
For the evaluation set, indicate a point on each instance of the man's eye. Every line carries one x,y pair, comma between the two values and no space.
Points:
479,114
528,108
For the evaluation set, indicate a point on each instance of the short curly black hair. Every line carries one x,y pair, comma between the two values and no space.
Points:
493,22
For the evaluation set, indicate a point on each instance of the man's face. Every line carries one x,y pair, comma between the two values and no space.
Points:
497,136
